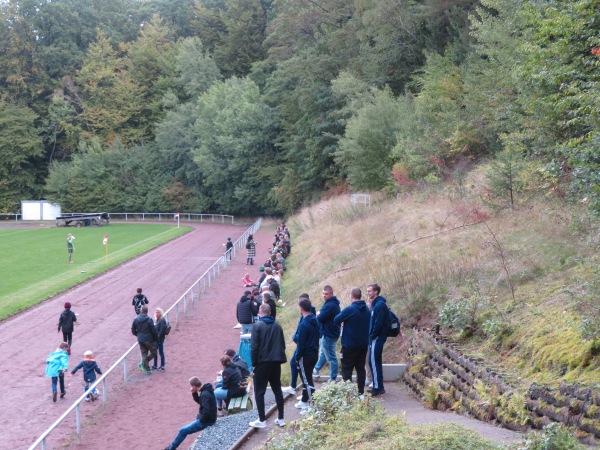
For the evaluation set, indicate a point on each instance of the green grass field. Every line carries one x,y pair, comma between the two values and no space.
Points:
35,265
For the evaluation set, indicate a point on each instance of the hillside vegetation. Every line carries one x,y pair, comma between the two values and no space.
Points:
519,287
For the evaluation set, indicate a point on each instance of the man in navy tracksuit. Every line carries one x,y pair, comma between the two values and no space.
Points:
330,333
307,351
377,337
356,319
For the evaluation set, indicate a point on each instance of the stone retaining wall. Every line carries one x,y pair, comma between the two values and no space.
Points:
446,379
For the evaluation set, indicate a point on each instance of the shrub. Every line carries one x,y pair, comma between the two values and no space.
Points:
554,436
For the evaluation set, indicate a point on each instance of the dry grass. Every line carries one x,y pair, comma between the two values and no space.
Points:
426,249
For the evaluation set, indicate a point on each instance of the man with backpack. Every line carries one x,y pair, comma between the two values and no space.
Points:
138,301
378,334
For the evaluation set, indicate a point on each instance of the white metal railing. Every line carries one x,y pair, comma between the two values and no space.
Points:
191,295
166,217
10,216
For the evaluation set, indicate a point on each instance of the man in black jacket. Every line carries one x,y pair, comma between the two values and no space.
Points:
147,337
247,308
267,350
139,300
207,414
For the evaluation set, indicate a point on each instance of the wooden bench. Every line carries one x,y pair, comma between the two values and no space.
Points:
239,404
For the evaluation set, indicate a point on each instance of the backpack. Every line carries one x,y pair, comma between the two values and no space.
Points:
393,325
168,329
248,245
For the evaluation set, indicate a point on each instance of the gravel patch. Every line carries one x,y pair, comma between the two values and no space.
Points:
225,432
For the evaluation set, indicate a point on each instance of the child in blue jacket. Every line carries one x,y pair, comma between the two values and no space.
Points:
90,369
56,366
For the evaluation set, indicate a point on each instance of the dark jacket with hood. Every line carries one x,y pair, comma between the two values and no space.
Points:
246,310
143,327
379,318
307,336
267,343
239,362
90,369
329,310
208,404
161,327
356,319
66,320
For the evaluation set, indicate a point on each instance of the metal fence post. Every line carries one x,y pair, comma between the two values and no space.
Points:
184,305
78,422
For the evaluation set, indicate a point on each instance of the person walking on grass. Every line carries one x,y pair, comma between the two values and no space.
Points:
143,327
355,319
307,351
207,414
267,350
330,333
90,369
56,366
139,300
377,337
66,323
70,247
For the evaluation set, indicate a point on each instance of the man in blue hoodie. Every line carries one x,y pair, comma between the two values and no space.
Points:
355,319
307,340
378,329
330,333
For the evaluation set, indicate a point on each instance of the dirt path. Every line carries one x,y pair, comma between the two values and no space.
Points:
145,408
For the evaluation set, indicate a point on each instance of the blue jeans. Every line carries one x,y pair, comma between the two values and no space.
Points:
220,395
376,361
193,427
60,378
161,352
294,370
246,328
327,353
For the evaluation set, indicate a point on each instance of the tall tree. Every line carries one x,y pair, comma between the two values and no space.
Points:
21,149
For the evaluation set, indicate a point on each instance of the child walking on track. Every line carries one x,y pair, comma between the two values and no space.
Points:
56,366
90,369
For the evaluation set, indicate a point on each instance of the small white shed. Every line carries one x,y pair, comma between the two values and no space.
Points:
39,210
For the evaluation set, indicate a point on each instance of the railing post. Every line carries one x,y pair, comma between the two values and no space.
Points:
184,305
78,422
125,371
177,313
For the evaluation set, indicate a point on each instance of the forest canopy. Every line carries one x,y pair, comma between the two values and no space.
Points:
261,106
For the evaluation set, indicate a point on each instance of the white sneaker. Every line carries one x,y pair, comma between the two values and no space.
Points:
301,405
280,422
361,396
299,397
315,373
370,384
289,390
258,424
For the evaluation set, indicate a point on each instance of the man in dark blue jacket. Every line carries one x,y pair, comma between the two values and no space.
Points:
307,341
356,319
330,333
207,413
378,330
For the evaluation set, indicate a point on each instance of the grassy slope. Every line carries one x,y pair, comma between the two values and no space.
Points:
34,261
425,249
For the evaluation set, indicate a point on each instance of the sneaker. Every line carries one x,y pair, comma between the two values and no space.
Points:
289,390
258,424
299,397
361,396
141,366
316,372
54,395
87,399
376,392
96,395
161,369
301,405
154,367
370,384
148,373
62,394
280,422
92,397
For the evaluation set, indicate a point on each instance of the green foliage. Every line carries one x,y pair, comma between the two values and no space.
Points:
21,150
504,176
554,436
462,314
